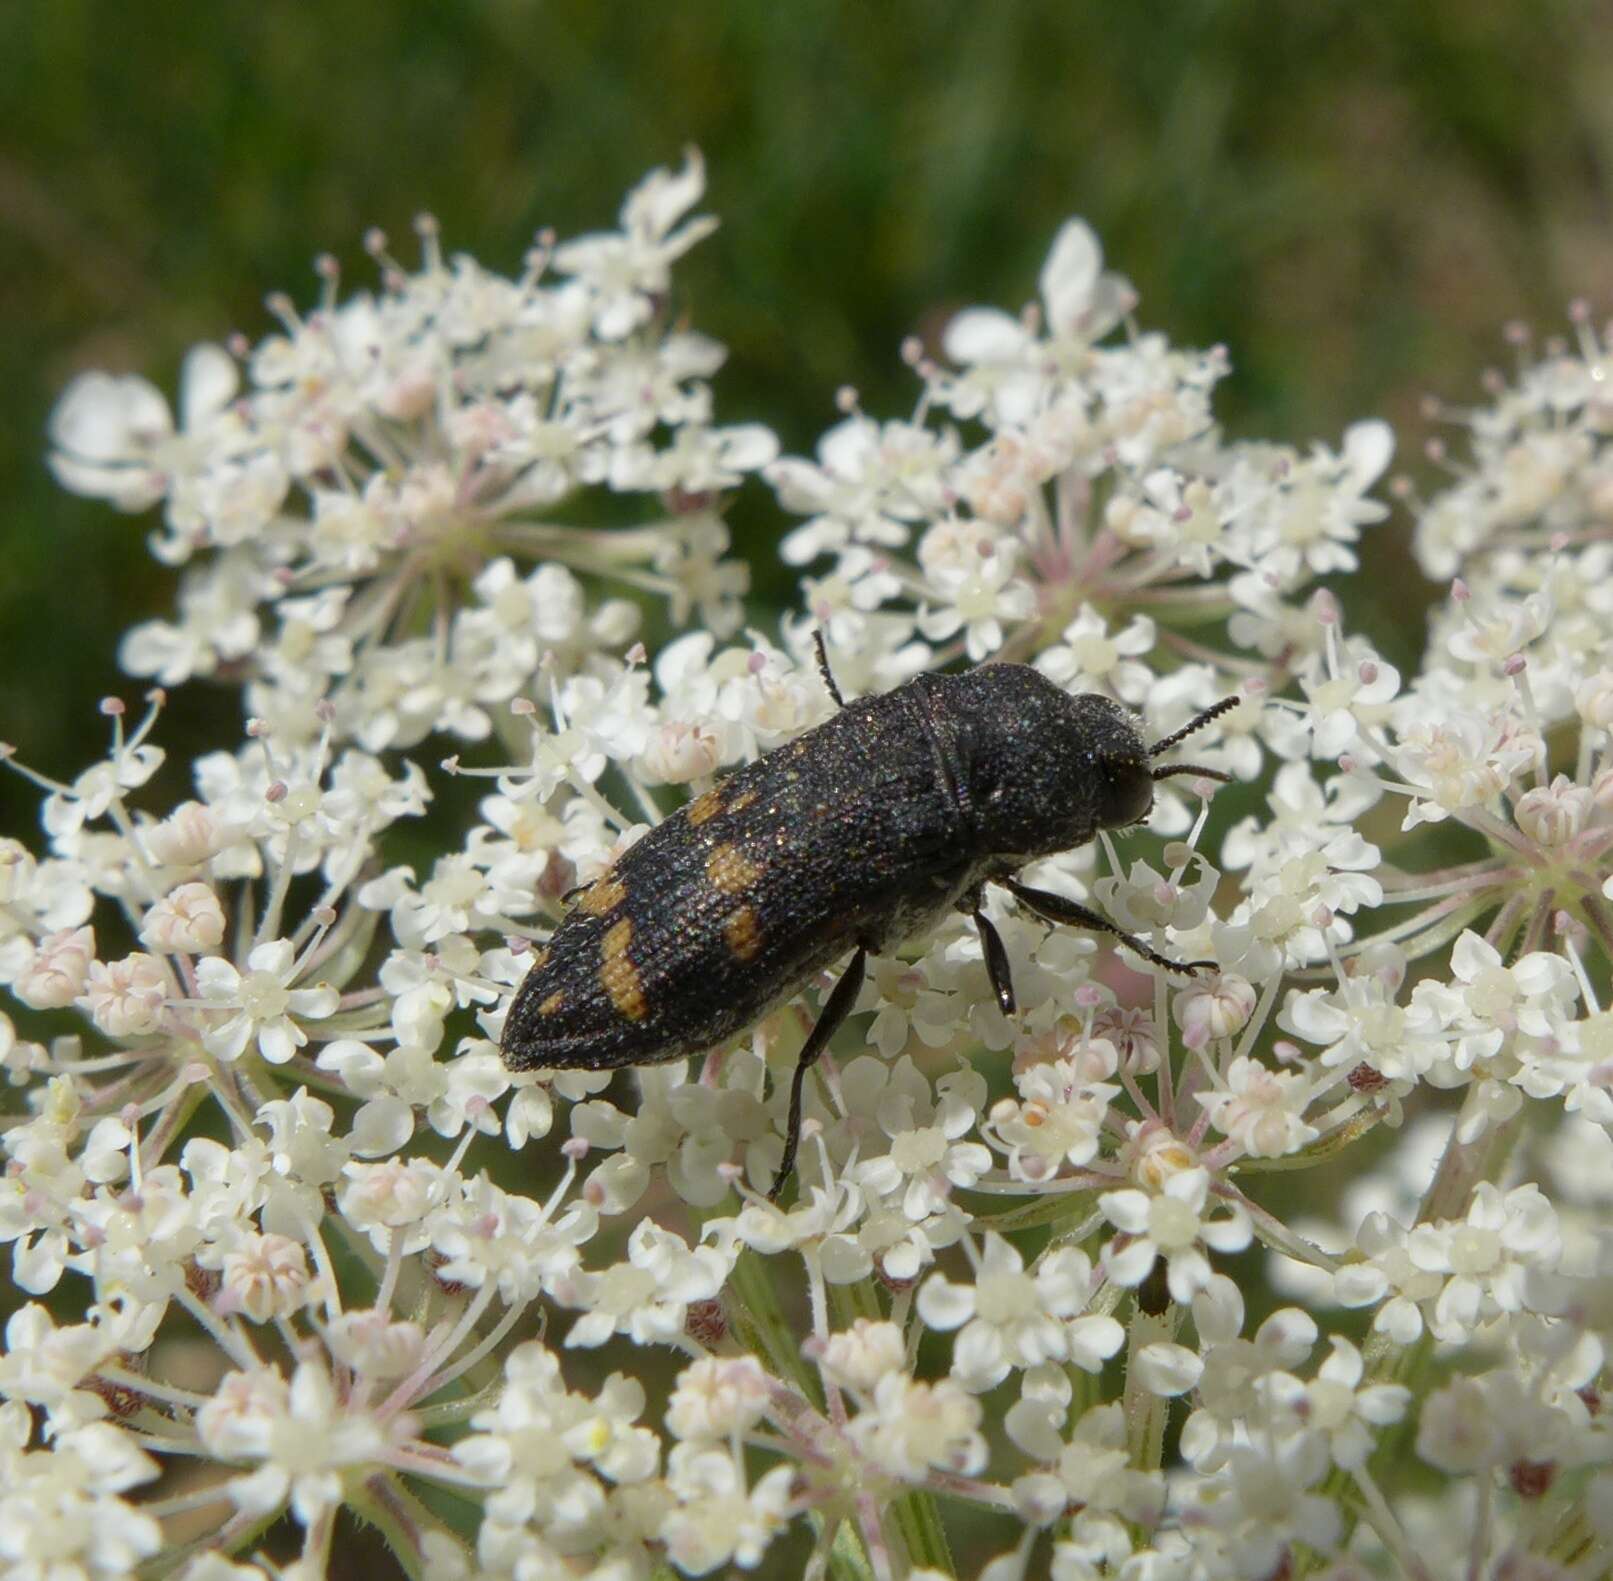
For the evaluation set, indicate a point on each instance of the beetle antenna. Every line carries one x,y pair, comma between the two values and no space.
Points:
1214,711
1192,768
823,666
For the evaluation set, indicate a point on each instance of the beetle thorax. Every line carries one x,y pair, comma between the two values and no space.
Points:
1044,770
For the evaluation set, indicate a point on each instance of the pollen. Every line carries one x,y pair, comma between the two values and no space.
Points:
603,895
743,930
730,871
552,1003
619,976
704,808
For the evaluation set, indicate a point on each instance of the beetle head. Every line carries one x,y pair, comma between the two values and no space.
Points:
1048,770
1125,782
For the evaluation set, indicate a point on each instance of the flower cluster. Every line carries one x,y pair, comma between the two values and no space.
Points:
294,1241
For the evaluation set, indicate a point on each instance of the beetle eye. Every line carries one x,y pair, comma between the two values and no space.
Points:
1125,792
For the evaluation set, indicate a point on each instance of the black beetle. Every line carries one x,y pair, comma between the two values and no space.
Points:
861,833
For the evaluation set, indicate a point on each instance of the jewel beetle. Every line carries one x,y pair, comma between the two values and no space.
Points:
861,833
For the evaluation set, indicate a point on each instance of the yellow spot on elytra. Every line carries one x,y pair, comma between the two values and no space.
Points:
704,808
539,958
742,801
731,871
552,1003
619,975
743,930
604,894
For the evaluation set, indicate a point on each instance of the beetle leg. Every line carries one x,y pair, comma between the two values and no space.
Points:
1055,908
823,667
837,1008
991,945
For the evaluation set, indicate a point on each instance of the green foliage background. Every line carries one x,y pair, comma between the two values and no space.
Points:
1354,198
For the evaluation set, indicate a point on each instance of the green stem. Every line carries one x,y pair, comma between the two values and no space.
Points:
1145,1411
231,1538
402,1520
1464,1165
847,1560
758,1323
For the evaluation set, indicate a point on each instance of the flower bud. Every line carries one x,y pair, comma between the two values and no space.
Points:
1552,815
125,998
1216,1007
190,834
682,751
188,920
265,1276
55,977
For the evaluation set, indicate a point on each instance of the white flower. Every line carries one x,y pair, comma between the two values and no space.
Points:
1385,1269
92,793
907,1427
1457,1429
1233,1367
374,1345
1257,1506
1171,1224
421,513
485,1235
47,1366
1010,1318
717,1396
395,1195
1360,1024
717,1520
926,1156
115,436
1060,1114
1213,1006
869,482
1008,372
858,1357
60,1514
627,271
1487,1257
1461,762
538,1449
264,1004
1490,1003
1145,901
1335,1406
306,1438
647,1297
1551,815
1089,659
973,586
1095,1467
1261,1109
188,836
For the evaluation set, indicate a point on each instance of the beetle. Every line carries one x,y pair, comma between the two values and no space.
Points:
859,834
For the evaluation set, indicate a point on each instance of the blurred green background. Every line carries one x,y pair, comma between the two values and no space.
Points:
1353,198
